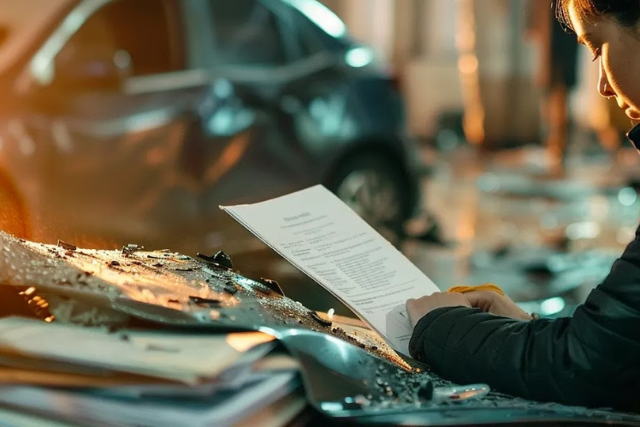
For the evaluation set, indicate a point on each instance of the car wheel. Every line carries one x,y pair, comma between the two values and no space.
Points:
13,214
375,189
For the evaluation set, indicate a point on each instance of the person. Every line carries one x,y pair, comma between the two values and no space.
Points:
557,77
592,358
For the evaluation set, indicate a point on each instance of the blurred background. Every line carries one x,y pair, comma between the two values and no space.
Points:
468,132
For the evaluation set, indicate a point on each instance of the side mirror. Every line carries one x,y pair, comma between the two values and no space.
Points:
91,70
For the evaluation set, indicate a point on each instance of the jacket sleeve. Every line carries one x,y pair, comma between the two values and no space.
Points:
590,359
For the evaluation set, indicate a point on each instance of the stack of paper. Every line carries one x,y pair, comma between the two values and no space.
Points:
91,376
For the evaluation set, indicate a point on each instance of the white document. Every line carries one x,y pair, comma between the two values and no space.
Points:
319,234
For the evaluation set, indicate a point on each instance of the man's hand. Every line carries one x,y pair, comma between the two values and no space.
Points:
488,301
418,308
494,303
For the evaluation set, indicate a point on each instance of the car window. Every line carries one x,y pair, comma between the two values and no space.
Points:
318,28
246,33
136,34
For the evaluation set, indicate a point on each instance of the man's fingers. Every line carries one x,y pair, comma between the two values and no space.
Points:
474,298
418,308
411,306
481,299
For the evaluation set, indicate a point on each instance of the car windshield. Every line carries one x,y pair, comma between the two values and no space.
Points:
21,23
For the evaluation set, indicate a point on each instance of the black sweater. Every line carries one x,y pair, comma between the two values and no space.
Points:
590,359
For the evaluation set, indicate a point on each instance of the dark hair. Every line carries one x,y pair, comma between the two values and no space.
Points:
625,12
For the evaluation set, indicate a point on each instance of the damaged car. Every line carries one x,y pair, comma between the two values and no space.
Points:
134,120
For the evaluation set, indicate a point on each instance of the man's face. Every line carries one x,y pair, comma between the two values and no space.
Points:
617,48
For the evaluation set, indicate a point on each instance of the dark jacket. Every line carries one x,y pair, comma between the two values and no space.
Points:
590,359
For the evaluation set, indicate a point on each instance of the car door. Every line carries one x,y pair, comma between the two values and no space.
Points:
319,92
112,115
251,147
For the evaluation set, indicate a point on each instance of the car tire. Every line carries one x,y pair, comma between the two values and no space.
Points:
13,213
375,188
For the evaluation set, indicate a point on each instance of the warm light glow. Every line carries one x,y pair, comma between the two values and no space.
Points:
474,116
243,341
625,235
468,63
229,157
473,124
